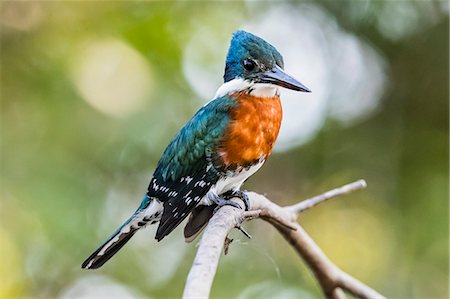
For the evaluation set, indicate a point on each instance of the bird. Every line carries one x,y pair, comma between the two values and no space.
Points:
218,149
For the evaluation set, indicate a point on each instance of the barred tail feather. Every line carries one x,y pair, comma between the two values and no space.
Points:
149,212
110,247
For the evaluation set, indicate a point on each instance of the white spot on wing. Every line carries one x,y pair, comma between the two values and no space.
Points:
188,179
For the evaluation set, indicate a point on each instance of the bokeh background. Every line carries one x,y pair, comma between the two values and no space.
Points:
92,92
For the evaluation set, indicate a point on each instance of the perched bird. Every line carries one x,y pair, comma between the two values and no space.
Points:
223,144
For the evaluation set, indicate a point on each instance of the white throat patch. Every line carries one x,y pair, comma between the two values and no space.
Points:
263,90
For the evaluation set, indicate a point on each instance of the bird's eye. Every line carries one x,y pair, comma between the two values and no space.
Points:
249,64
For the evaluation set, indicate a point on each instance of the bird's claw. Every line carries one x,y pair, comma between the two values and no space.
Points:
240,194
220,202
225,200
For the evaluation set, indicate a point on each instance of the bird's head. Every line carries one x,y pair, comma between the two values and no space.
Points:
252,60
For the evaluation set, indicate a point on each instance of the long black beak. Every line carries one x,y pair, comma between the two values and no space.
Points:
278,77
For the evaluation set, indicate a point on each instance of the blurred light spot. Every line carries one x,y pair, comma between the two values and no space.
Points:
358,11
11,277
397,19
98,286
400,19
271,289
346,75
362,80
203,62
112,77
21,15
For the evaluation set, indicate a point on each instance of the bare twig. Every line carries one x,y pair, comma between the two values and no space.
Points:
332,280
313,201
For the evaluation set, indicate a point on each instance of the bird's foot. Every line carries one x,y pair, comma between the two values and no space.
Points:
239,194
220,202
225,200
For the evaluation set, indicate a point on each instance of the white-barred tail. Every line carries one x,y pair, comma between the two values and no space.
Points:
148,213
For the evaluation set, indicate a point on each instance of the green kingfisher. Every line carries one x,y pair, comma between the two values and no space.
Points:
223,144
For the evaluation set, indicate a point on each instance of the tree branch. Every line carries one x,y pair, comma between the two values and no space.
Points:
313,201
331,279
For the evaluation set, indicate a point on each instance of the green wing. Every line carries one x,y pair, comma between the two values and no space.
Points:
187,153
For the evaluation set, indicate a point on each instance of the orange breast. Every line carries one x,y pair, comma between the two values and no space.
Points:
254,127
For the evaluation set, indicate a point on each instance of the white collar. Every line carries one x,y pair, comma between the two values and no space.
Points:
263,90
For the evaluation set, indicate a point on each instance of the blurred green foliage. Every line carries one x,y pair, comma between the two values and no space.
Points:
71,173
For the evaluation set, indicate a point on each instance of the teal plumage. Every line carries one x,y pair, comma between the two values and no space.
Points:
187,151
245,44
195,173
183,175
180,181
